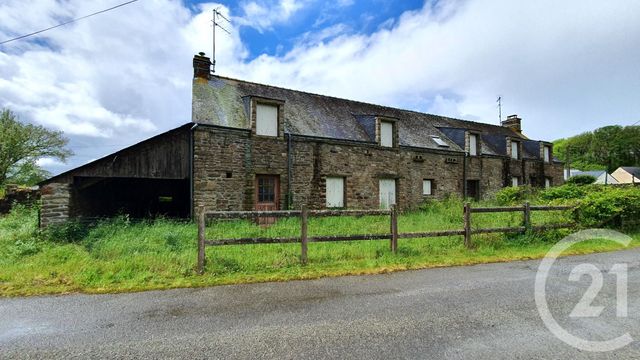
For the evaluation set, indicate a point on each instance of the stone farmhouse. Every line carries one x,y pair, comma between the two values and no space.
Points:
253,146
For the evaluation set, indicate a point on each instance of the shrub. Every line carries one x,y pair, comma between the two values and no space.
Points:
564,192
510,195
581,180
609,207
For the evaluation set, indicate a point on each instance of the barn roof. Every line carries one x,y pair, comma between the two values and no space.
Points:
225,101
635,171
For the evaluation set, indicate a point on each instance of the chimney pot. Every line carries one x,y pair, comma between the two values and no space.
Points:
514,123
201,66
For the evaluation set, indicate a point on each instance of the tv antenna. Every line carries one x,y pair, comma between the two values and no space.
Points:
217,15
499,101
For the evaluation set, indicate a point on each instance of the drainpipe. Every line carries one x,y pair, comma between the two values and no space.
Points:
191,154
289,171
464,176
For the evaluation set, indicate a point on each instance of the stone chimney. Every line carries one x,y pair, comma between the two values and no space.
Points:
514,123
201,66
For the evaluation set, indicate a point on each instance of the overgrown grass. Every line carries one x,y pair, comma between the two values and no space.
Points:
120,255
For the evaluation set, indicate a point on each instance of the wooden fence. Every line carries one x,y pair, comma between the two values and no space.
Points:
392,236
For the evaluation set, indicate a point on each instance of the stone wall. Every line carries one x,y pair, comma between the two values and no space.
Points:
55,198
227,160
15,194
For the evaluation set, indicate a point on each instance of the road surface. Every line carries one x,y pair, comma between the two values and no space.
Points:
474,312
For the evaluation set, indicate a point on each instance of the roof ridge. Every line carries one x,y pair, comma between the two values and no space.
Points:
364,103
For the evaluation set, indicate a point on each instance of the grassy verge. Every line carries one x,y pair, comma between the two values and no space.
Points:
119,255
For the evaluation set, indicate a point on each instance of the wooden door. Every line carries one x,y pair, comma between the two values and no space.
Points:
473,189
267,198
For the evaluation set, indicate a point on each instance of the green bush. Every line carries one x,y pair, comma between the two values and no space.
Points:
581,180
564,192
610,207
510,195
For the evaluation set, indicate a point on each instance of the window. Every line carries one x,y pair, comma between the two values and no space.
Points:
514,181
267,120
335,192
515,150
386,133
266,189
439,141
473,144
427,187
547,183
387,193
547,153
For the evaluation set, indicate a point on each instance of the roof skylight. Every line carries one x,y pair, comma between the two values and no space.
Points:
439,141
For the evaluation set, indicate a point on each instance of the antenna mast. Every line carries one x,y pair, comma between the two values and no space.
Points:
499,110
216,15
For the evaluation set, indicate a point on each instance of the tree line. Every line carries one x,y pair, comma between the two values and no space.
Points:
605,148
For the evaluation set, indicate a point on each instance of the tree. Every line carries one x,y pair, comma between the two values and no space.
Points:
607,148
21,145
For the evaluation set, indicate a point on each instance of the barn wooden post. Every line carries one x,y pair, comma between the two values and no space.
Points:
527,216
201,239
467,225
394,229
303,235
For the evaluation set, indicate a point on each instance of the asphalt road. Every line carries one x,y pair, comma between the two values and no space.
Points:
479,312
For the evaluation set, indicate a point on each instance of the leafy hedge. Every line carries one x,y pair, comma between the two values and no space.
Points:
582,180
514,194
611,206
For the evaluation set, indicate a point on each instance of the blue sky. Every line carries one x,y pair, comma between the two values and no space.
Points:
123,76
361,16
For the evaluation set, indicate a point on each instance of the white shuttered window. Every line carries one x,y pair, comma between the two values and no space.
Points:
547,154
335,192
426,187
386,133
514,150
387,193
473,144
267,120
514,181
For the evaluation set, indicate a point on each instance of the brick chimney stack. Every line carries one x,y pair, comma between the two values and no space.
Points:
201,66
514,123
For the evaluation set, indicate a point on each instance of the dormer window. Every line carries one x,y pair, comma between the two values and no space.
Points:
515,150
266,119
546,153
386,133
473,145
438,140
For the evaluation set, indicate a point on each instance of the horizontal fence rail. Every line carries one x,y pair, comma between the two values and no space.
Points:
392,236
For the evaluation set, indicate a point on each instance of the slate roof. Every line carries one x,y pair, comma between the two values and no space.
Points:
225,101
595,173
635,171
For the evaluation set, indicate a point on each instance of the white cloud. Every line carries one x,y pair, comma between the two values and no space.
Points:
564,67
263,15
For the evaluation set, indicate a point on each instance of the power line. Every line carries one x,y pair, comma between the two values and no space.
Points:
67,22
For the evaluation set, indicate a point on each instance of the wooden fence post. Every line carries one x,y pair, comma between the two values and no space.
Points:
527,216
467,225
303,235
394,229
201,239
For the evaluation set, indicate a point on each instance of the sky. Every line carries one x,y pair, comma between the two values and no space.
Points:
120,77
